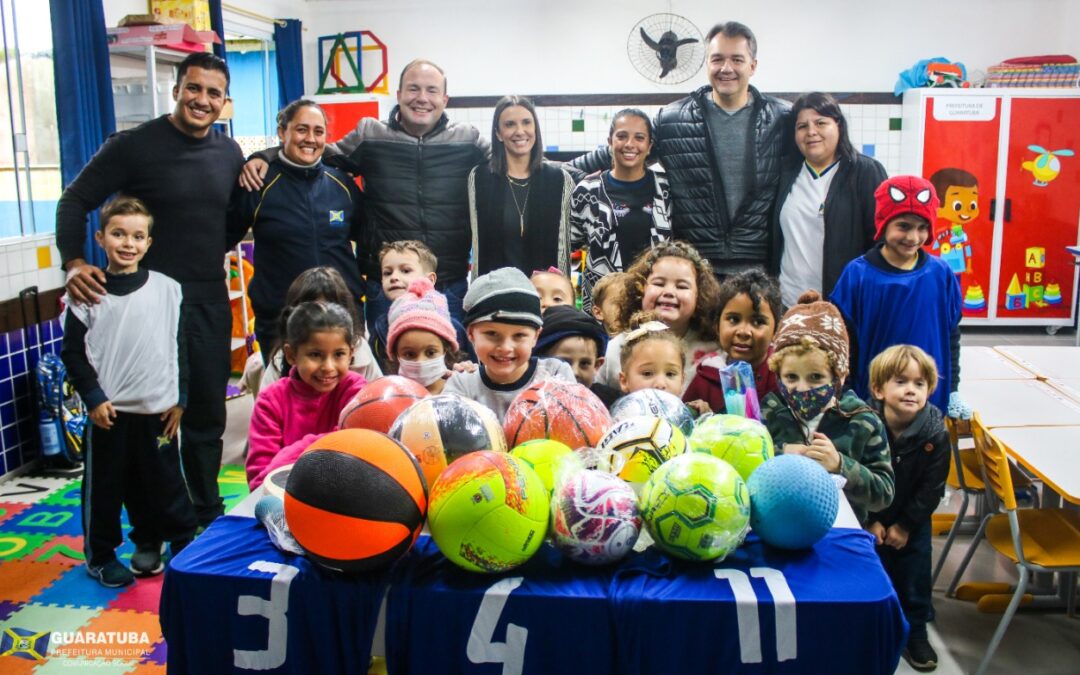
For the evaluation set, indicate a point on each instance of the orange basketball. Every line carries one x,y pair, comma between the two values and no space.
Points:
563,411
355,500
379,403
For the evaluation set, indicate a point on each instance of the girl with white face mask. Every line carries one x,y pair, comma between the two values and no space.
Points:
422,342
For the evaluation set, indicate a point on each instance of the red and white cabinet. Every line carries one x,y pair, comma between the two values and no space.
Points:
1006,164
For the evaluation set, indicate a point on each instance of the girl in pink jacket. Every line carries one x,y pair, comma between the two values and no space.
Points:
294,411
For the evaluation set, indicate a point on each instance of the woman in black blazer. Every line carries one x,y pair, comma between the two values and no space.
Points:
519,204
824,213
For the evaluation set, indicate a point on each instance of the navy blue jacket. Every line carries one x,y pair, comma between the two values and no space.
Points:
301,218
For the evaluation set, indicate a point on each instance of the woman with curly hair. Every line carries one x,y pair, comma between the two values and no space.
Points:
674,282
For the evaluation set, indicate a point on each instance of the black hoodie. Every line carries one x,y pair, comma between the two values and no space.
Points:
920,460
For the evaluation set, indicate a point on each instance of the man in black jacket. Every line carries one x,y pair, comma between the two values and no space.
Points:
183,170
415,167
722,148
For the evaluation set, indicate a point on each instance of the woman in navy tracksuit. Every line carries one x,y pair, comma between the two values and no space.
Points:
307,214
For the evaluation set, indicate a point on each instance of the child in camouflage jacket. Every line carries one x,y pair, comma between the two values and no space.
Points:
842,433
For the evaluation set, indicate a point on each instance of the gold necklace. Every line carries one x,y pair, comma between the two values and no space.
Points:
520,207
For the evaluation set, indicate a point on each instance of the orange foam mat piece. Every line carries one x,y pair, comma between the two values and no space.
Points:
23,579
16,665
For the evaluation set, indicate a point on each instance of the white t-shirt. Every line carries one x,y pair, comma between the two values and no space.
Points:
802,221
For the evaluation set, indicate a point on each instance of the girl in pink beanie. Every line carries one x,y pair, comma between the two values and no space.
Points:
422,342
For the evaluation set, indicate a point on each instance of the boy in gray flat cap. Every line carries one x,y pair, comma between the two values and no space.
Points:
502,320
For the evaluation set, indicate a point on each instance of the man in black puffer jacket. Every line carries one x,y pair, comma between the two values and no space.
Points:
722,147
415,168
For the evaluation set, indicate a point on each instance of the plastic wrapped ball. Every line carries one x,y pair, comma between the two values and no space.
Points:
696,507
562,411
741,442
594,517
440,429
379,403
543,455
656,403
794,502
488,512
637,446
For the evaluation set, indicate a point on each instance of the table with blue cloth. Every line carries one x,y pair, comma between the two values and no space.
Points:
233,602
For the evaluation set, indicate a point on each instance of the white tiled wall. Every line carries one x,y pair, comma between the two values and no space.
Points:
250,144
868,125
30,261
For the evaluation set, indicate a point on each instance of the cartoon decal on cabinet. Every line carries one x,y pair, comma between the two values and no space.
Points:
1046,166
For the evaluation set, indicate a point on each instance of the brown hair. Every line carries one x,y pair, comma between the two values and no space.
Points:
498,149
609,283
708,289
639,334
123,205
428,262
894,361
286,114
315,284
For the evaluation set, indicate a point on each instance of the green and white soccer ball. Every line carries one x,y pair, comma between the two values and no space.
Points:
696,507
740,441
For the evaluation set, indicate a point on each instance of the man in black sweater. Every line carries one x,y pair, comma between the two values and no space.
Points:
183,170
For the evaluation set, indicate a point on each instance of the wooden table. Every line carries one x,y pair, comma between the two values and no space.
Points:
1019,403
1051,453
1046,362
984,363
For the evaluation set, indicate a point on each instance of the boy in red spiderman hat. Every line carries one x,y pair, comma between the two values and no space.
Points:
897,294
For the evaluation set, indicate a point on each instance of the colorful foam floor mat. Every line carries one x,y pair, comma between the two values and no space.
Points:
54,618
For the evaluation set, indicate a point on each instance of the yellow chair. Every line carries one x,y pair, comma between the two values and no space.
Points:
971,478
964,475
1036,540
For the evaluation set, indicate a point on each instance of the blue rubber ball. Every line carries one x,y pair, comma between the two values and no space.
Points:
793,501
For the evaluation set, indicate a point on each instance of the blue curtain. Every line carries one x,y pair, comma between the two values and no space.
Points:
290,62
217,24
84,104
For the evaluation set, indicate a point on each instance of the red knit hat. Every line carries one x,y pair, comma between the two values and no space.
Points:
905,194
420,308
